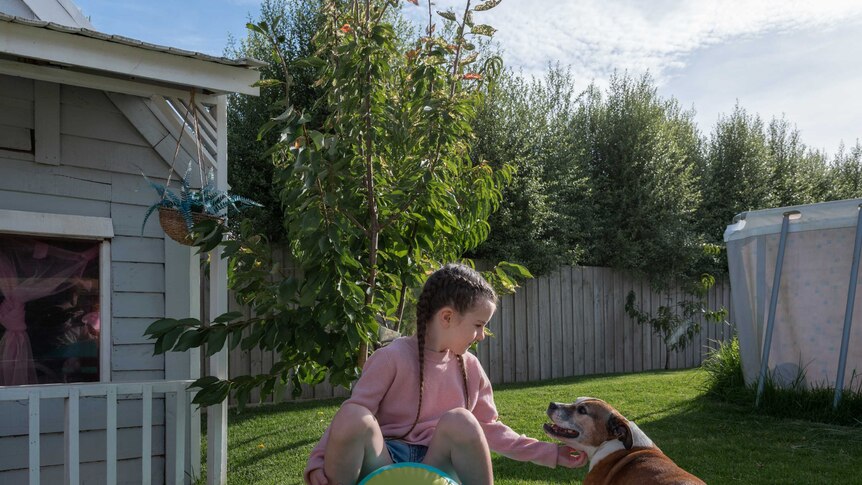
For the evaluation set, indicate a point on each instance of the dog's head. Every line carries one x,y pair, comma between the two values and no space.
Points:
587,424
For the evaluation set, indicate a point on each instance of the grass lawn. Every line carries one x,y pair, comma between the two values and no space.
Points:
721,443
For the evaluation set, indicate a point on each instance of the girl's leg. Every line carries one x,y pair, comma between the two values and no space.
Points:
459,446
355,447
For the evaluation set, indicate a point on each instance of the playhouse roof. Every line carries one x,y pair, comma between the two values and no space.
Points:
76,55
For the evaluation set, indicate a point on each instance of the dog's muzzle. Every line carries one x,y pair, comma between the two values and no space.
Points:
555,430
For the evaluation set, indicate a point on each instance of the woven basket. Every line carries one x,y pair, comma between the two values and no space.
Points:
175,226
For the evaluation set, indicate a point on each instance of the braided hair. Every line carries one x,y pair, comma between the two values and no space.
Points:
457,286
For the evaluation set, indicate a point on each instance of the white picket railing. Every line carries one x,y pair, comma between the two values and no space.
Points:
71,393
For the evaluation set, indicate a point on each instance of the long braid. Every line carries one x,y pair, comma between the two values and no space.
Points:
453,285
464,377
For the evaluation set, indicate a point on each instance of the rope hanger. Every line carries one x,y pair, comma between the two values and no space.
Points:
198,142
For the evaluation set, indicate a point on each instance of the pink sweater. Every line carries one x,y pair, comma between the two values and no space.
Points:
389,388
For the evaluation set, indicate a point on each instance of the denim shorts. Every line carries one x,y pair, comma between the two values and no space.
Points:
401,451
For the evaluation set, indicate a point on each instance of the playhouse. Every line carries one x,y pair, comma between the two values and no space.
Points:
82,114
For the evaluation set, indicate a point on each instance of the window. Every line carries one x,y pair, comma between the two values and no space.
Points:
54,298
50,323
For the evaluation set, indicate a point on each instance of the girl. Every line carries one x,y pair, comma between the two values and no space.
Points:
426,399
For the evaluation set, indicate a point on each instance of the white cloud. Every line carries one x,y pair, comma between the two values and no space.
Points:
597,37
774,57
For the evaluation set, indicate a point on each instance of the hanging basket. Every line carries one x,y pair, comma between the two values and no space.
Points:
174,224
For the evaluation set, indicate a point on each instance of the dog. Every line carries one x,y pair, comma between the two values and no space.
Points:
619,452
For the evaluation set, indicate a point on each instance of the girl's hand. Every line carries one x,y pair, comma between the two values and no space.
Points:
317,477
569,457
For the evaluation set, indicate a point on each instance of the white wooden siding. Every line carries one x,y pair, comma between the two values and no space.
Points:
99,174
21,176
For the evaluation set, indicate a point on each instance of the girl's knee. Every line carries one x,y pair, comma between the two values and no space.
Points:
461,425
353,420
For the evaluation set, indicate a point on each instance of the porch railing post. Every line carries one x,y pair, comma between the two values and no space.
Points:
180,436
33,416
217,414
147,434
72,437
111,434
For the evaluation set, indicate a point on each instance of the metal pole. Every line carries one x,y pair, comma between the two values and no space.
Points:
773,304
848,313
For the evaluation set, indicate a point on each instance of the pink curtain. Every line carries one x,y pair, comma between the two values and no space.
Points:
30,270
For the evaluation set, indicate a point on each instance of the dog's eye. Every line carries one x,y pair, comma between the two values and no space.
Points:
582,410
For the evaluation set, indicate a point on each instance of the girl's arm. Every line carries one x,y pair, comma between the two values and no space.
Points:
501,438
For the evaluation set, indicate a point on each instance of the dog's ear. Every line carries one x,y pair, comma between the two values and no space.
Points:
619,428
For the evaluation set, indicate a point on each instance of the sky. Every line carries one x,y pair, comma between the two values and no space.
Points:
801,60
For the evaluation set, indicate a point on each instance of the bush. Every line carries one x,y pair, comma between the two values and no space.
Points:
725,382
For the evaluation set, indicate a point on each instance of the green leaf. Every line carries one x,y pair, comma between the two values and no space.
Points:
215,342
235,338
487,5
317,138
515,269
190,339
255,28
166,341
265,83
203,382
189,322
483,29
470,58
310,62
448,14
213,393
227,317
160,327
242,395
287,290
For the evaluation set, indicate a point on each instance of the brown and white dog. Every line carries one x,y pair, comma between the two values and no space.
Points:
619,452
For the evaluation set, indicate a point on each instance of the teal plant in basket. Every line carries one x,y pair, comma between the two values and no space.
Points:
195,211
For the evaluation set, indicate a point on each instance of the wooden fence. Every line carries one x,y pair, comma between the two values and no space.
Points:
571,322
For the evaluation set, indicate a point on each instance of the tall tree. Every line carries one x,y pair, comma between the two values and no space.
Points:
641,157
737,173
383,193
250,172
796,173
846,173
525,123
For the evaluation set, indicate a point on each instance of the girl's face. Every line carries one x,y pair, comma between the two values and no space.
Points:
460,330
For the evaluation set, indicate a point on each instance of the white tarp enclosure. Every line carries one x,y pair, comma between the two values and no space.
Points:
812,298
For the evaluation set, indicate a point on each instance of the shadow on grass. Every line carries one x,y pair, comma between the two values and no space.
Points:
722,442
256,412
269,451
